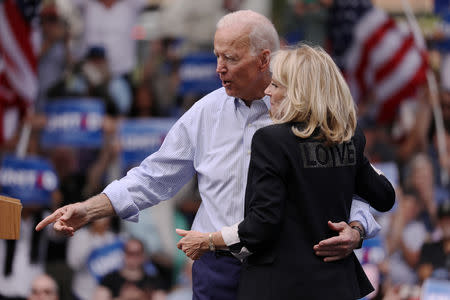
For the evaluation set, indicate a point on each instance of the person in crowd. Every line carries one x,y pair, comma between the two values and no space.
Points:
79,249
306,20
74,184
441,163
405,235
92,78
212,140
435,256
131,291
44,287
419,177
145,104
193,22
183,287
156,230
24,259
133,272
303,172
440,39
110,23
54,57
160,76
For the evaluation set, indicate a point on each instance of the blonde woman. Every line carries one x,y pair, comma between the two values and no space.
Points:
303,172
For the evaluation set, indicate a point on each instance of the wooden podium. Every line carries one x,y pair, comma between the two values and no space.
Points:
10,210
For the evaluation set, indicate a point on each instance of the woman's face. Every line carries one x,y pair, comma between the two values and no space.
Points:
277,93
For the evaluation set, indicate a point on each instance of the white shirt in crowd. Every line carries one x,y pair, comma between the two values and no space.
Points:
112,28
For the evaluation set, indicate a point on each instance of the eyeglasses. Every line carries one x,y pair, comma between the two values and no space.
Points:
44,291
133,253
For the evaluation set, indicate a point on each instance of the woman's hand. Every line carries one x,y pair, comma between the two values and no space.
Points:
193,243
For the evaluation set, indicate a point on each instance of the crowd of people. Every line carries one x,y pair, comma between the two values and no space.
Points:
93,49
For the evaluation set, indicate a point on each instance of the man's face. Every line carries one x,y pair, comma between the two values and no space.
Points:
134,254
241,73
43,288
444,223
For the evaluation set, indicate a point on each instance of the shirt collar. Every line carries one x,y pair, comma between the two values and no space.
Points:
265,99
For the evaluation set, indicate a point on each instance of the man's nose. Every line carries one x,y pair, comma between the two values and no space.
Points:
221,67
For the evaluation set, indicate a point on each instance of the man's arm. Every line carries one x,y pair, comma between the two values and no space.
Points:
196,244
70,218
349,238
143,186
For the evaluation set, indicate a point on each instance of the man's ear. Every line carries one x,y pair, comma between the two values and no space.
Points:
264,59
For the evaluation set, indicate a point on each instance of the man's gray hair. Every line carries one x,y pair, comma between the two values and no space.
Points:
262,32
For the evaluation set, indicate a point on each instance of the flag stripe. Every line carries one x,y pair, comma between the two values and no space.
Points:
390,44
393,62
18,67
366,27
367,48
21,32
383,63
407,69
389,107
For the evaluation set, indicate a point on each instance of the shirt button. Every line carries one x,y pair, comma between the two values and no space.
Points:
250,125
249,152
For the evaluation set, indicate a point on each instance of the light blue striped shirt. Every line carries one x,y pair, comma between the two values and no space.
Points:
212,139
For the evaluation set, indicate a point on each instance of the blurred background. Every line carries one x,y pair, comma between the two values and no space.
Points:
88,88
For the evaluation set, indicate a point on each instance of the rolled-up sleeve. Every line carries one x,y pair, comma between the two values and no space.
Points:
122,202
159,176
360,211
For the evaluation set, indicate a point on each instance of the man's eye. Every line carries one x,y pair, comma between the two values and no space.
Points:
274,84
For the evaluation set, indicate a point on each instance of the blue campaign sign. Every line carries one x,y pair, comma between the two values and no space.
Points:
372,251
433,289
198,74
75,122
442,9
30,179
106,259
141,137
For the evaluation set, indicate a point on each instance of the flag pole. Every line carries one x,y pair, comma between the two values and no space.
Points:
434,94
22,145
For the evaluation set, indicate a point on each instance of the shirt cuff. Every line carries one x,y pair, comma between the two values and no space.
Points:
230,234
121,201
360,212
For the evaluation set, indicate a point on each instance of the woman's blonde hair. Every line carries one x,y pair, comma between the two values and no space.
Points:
316,94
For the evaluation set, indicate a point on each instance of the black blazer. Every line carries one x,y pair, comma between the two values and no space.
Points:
294,187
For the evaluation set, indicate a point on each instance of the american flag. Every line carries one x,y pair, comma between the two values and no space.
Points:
18,63
379,59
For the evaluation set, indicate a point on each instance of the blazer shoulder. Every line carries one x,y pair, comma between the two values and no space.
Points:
359,134
277,130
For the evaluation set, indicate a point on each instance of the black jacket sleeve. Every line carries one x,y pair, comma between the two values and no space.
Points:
265,194
371,186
